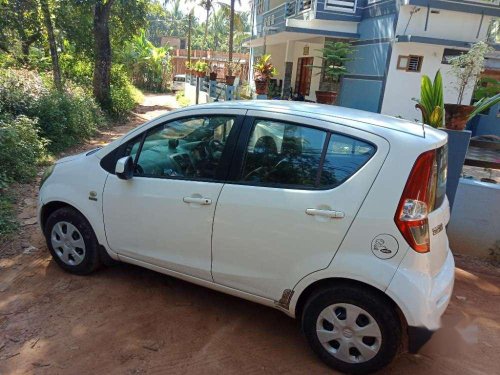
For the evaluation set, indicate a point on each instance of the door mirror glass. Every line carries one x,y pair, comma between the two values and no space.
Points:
125,168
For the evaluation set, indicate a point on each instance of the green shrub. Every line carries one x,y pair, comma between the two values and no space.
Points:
19,91
21,148
8,222
67,118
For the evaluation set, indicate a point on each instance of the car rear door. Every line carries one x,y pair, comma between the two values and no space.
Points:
294,190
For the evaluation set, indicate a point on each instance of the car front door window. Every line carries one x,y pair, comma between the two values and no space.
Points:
188,148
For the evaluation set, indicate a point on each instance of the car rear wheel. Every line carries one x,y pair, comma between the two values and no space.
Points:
352,329
72,242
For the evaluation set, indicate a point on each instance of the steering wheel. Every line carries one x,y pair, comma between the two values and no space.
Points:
215,146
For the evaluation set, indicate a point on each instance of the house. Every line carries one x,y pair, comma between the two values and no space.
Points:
396,41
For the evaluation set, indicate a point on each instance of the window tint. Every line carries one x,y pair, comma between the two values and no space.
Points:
344,157
186,148
283,154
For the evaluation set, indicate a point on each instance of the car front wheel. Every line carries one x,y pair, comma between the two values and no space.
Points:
352,329
72,242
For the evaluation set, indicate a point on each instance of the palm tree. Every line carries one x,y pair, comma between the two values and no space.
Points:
207,5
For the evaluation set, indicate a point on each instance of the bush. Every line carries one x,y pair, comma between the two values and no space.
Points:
21,148
8,223
182,99
123,94
67,118
64,118
19,91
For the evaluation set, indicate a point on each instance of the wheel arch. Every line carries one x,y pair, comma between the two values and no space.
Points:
336,281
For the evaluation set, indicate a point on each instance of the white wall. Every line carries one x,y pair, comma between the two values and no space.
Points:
298,51
277,52
402,86
445,25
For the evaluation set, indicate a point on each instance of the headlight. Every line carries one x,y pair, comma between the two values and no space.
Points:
47,174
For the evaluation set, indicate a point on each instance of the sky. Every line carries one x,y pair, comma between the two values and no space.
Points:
245,6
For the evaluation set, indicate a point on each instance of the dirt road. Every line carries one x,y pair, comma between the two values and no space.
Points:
127,320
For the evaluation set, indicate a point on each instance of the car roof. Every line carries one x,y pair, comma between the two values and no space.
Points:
315,110
180,75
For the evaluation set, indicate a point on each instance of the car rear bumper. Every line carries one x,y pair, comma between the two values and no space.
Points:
422,298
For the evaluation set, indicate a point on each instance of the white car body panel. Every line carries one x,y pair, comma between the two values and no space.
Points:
420,284
253,255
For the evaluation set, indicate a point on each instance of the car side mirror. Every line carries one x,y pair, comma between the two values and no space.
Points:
124,168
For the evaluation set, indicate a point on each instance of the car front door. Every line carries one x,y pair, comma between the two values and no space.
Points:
293,197
163,216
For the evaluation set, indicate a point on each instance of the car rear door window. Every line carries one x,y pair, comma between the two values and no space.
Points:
287,155
344,157
283,154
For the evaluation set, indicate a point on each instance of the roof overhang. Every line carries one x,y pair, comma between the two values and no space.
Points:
437,41
296,33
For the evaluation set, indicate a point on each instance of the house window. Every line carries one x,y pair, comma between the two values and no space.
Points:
348,6
411,63
450,53
260,7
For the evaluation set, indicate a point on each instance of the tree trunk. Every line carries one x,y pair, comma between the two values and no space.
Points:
206,28
102,63
52,44
190,21
231,35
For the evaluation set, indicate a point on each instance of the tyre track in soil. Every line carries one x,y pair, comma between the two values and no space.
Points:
127,320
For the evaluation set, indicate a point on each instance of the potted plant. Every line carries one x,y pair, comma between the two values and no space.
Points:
201,68
431,102
264,70
334,57
188,66
233,69
467,69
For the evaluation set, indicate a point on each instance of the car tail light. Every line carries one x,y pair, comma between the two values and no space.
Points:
418,199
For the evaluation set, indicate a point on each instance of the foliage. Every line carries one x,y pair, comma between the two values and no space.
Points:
431,102
8,223
63,118
334,56
201,66
66,118
468,67
182,99
264,68
147,65
484,104
486,87
20,147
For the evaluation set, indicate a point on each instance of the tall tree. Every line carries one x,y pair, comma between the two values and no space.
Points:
44,4
102,49
207,5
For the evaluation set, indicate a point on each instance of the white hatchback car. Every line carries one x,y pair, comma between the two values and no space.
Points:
178,82
335,216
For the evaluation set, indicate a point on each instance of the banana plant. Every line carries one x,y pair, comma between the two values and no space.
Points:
431,102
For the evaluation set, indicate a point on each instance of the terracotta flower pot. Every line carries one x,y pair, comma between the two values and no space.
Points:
326,97
213,76
456,115
230,80
200,74
261,87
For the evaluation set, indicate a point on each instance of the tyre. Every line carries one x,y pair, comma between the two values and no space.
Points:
72,242
352,329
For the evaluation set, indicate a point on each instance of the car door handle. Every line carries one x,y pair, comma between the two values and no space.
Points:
325,213
198,200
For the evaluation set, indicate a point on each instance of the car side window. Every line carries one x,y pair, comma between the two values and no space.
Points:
189,148
343,158
283,154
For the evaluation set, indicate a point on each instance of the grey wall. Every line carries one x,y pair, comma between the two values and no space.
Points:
474,227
